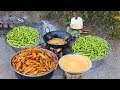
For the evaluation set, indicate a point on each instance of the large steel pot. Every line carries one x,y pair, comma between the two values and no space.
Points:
43,76
33,25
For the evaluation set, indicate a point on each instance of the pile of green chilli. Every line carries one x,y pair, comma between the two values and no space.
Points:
22,37
94,47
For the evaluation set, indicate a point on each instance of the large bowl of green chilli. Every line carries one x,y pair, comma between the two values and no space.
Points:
22,36
94,47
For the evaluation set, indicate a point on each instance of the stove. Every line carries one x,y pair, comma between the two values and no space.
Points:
58,51
72,76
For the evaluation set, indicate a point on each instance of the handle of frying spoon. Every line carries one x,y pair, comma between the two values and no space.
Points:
47,28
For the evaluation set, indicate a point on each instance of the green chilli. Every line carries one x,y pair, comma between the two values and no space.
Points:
94,47
22,37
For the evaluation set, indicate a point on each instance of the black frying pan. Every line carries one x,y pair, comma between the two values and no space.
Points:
57,34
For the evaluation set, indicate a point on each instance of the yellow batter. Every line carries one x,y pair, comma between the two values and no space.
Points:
75,63
57,41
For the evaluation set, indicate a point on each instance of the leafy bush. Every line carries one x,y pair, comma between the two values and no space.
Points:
115,34
82,14
96,17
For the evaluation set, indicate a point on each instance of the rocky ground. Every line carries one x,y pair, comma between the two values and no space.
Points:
110,69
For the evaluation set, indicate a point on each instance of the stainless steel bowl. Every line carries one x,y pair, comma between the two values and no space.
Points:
43,76
28,25
74,73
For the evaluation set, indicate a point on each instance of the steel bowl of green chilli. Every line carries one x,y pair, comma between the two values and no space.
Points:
22,36
94,47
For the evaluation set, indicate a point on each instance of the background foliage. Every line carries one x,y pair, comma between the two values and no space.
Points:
95,20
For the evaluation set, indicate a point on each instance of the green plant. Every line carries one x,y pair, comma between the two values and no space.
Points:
82,14
115,34
97,18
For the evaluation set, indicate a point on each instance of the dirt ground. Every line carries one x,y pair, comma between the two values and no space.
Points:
110,69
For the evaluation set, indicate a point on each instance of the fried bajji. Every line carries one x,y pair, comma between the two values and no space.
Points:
33,73
28,69
42,55
18,65
34,61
